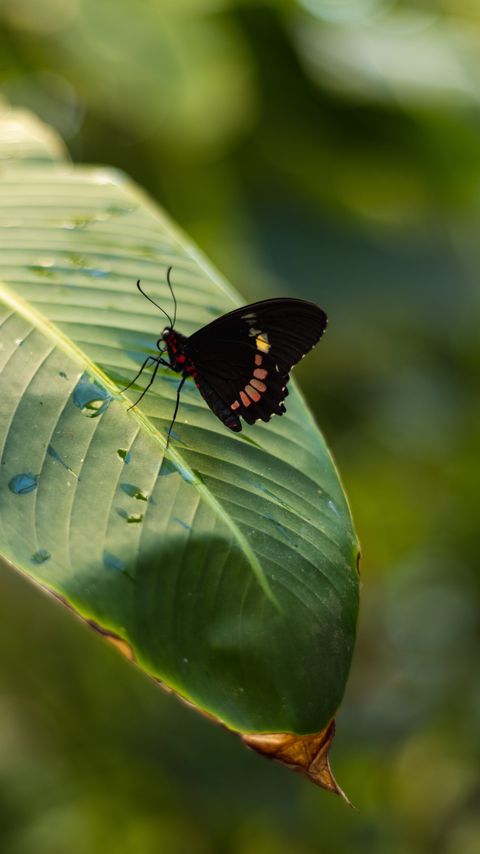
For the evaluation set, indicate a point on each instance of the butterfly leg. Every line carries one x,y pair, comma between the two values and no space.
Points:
177,404
158,362
147,360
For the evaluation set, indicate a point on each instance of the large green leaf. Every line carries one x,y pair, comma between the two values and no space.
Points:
226,565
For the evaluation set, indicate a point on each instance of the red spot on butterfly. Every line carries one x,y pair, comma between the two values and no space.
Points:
255,396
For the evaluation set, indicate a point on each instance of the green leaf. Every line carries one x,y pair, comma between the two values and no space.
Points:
224,566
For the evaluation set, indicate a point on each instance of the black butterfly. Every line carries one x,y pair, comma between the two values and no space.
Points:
240,362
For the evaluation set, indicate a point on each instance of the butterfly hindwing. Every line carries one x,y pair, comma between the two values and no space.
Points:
243,359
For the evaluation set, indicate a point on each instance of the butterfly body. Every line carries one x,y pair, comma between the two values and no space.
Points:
175,344
241,362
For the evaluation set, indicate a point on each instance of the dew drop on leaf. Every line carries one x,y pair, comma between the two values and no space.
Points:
133,491
167,468
111,561
91,398
333,507
281,528
41,556
187,475
23,483
56,456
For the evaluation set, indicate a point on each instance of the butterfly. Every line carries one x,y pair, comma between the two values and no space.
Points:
241,361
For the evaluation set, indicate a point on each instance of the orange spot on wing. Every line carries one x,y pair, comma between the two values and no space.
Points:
245,400
260,373
258,385
258,359
235,404
252,393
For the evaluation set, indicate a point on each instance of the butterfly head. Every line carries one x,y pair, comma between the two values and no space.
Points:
167,334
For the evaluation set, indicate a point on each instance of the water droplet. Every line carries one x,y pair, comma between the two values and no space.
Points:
133,491
80,221
281,528
77,260
187,475
167,468
111,561
134,518
91,398
23,483
56,456
44,269
333,507
146,252
83,265
96,273
41,556
269,492
124,455
63,375
119,210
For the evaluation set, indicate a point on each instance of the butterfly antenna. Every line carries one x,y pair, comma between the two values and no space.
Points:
155,303
173,296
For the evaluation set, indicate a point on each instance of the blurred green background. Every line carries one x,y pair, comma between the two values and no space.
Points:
328,149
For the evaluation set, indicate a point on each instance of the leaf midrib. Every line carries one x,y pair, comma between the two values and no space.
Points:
50,330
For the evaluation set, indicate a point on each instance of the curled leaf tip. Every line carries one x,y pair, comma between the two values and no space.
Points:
307,754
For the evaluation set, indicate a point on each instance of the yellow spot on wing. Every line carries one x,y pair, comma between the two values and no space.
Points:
262,343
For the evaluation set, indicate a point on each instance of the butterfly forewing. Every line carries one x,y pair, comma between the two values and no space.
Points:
243,359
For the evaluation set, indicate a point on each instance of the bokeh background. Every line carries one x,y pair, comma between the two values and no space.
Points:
328,149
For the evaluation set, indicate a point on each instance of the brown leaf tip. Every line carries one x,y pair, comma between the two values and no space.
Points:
307,754
119,643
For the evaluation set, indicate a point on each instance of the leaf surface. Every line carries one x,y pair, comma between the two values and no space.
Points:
226,566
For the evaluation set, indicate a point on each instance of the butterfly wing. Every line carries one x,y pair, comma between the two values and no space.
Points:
243,359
